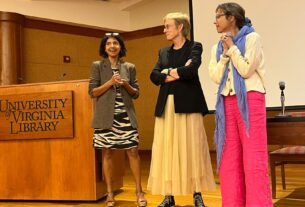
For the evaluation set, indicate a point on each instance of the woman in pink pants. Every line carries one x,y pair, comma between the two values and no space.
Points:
237,65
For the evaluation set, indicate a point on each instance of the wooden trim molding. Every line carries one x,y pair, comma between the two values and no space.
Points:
12,17
11,26
63,28
158,30
75,29
90,32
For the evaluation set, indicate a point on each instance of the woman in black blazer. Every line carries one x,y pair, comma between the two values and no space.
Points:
180,155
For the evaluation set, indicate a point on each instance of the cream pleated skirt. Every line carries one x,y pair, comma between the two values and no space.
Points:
180,162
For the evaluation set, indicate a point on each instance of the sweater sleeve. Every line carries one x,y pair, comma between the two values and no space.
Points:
247,64
216,69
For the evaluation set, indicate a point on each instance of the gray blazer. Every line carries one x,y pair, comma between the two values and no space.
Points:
101,72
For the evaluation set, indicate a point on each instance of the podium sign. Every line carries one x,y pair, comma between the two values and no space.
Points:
36,115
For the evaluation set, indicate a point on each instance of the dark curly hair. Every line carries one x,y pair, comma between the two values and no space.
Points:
234,9
116,36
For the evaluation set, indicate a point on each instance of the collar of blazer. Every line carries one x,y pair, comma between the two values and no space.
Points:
106,63
106,67
186,43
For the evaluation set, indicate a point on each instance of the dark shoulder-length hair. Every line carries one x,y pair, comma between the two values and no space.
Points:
233,9
116,36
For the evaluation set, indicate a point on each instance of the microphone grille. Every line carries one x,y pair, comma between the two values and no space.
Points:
282,85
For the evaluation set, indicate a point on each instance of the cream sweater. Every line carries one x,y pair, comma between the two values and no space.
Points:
250,66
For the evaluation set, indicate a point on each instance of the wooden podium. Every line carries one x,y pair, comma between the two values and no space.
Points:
46,148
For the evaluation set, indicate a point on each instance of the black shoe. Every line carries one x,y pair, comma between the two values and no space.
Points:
198,202
168,201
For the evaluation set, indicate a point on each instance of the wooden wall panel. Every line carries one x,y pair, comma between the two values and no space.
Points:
45,51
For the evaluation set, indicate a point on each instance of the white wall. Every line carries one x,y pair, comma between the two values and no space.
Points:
152,12
281,26
126,15
92,13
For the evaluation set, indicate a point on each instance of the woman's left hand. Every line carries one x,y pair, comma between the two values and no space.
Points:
227,39
164,71
123,82
174,74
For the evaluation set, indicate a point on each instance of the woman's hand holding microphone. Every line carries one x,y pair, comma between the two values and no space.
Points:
116,79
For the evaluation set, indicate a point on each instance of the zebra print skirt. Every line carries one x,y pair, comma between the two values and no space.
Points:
121,135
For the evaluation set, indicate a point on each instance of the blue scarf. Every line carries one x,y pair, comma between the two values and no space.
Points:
240,90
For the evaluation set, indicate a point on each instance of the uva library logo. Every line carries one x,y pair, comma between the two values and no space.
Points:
36,115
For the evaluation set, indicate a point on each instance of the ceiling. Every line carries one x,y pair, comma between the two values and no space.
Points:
123,4
111,1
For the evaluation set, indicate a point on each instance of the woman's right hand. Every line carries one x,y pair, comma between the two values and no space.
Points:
116,79
170,79
227,41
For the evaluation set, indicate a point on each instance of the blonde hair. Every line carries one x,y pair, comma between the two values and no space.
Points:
180,18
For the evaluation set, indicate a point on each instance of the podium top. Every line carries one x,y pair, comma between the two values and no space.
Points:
288,117
43,83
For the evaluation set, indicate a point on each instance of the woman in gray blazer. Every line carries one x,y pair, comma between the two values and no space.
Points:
113,84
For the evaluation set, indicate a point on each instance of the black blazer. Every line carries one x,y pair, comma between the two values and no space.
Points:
188,94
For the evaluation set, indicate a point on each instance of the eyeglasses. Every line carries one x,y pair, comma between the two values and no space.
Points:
219,15
111,34
167,26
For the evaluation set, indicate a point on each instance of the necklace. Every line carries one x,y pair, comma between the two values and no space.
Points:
114,67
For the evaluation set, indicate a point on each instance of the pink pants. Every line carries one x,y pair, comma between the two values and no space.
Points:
243,170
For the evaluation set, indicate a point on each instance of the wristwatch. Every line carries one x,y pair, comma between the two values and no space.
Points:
169,71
